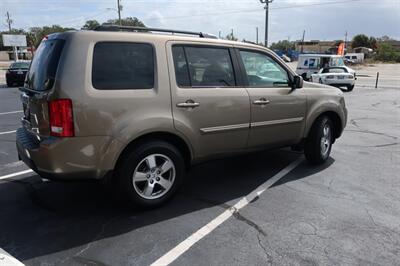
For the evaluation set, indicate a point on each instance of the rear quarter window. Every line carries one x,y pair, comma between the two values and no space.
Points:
123,66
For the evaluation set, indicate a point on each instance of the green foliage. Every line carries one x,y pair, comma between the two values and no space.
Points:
361,40
129,21
90,25
231,37
387,53
36,34
284,46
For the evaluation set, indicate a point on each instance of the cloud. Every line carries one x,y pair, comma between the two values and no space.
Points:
288,18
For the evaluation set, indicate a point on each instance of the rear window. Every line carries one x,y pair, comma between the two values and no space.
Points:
122,66
19,65
42,72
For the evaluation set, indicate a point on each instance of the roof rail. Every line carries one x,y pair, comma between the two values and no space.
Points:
112,27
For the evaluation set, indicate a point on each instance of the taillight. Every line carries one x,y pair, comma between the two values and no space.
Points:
61,120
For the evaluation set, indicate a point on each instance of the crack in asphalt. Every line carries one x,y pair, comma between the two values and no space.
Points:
226,206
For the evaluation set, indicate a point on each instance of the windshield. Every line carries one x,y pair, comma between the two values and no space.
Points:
19,65
337,61
44,65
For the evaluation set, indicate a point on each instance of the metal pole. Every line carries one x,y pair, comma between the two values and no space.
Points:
119,12
256,35
302,41
377,78
266,23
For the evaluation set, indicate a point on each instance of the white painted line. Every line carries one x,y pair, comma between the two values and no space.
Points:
186,244
12,112
7,259
8,132
16,174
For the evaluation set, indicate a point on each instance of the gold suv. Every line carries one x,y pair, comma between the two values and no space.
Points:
138,107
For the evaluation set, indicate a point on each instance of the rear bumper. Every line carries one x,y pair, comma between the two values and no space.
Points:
15,78
66,158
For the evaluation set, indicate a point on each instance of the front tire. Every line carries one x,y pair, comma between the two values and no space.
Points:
150,173
319,141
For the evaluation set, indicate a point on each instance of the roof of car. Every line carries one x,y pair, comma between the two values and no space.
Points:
160,37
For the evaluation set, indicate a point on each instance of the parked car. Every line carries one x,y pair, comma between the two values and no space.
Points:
309,64
16,73
138,108
335,76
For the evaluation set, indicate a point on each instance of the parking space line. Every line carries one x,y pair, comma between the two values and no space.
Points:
186,244
12,112
9,260
8,132
16,174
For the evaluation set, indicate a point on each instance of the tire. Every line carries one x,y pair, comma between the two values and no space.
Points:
319,142
140,178
350,87
320,81
304,76
9,83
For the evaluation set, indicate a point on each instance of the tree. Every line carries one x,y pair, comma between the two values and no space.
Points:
360,40
231,37
36,34
90,25
129,21
283,46
373,43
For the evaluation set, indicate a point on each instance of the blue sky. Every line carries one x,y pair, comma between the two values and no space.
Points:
322,20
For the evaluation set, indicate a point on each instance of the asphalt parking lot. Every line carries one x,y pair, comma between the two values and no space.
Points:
346,212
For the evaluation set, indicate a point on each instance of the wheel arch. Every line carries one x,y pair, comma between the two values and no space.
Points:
181,144
336,121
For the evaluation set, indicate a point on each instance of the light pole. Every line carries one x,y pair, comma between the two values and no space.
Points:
266,2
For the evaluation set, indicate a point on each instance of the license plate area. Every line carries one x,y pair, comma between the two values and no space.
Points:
340,77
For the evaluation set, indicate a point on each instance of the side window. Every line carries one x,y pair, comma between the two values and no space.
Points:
263,71
306,62
203,66
181,68
123,65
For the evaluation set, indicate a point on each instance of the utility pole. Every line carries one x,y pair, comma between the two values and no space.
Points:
219,35
345,41
266,2
9,22
119,7
302,41
256,35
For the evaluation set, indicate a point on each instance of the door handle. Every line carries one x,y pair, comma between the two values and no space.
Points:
261,101
188,104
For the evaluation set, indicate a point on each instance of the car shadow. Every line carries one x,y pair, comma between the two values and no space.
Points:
40,218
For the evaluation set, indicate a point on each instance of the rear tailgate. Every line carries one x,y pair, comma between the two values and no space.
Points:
38,84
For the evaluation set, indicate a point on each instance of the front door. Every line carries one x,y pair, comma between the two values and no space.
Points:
277,111
208,106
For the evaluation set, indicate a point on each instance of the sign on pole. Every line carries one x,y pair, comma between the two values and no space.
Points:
14,40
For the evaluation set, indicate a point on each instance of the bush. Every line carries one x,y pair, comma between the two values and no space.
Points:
387,53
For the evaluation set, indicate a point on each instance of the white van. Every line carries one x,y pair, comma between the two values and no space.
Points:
311,63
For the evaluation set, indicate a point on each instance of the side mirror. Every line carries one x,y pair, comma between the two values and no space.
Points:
297,82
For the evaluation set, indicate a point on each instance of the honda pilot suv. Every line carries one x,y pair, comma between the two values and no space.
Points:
138,107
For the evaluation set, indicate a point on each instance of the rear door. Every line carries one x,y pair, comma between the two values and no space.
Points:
277,111
39,81
209,107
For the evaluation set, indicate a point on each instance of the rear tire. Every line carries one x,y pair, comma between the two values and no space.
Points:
318,144
304,76
350,87
149,174
9,83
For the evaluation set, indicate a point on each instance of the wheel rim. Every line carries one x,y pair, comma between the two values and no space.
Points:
326,140
154,176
